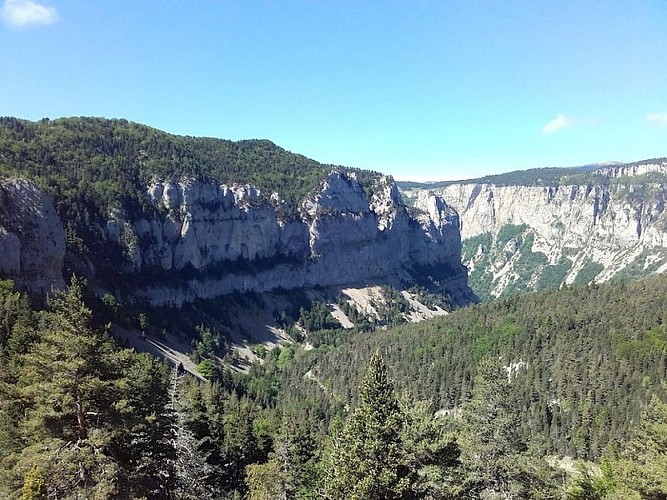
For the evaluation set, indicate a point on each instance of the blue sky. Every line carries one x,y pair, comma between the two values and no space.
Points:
418,89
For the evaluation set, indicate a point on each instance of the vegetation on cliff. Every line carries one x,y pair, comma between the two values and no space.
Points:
109,161
546,176
596,222
93,165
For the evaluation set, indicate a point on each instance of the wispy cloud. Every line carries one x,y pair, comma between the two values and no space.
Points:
657,119
559,123
26,13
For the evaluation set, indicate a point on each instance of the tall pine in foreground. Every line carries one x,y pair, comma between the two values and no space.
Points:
368,458
91,417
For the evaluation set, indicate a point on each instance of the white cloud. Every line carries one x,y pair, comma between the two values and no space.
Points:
559,123
27,12
657,119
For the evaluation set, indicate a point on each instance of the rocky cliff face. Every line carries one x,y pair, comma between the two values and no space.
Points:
205,239
524,237
32,239
236,239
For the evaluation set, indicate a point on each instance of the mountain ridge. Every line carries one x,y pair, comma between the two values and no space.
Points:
171,219
590,226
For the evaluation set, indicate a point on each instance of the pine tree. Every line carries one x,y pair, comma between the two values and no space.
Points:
432,451
368,460
291,471
93,418
65,383
642,468
495,460
192,470
65,371
590,486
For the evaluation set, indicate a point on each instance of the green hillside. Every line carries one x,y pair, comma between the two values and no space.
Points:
595,353
95,163
546,176
571,373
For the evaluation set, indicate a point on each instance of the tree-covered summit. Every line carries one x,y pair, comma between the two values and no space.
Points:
109,160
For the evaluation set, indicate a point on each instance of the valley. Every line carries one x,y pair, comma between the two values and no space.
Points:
198,318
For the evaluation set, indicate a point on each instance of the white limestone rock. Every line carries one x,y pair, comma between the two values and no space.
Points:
339,193
341,237
610,225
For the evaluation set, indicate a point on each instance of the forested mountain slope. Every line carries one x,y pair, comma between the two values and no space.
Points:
582,361
98,161
166,220
548,176
566,372
542,228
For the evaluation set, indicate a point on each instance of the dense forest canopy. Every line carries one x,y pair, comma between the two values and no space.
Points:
584,359
102,162
578,372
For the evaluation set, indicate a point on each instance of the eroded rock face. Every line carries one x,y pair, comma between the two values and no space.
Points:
228,238
341,236
577,215
32,239
439,223
205,223
610,228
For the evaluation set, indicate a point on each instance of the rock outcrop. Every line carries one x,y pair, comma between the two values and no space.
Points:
616,226
236,239
203,239
32,239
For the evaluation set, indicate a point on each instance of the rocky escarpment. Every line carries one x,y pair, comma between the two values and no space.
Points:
527,237
231,238
32,239
168,219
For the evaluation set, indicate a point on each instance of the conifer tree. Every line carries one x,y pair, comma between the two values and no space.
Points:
66,386
642,469
494,458
294,453
93,418
432,451
368,458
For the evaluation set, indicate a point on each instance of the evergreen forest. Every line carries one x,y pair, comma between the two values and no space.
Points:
99,162
557,394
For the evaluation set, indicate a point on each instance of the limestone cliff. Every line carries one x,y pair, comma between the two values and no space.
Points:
233,238
32,239
201,239
529,237
168,219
